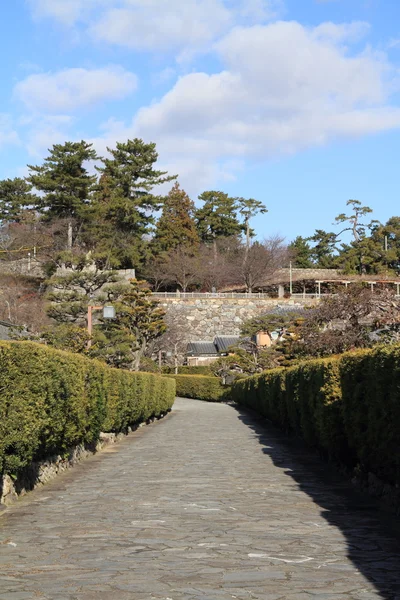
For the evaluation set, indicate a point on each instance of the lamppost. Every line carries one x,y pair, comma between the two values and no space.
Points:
108,313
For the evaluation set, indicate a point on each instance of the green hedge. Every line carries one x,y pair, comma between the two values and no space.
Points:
51,400
348,407
371,409
190,370
201,387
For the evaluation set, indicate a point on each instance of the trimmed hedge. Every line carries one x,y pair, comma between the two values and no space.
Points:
190,370
201,387
371,409
348,407
51,400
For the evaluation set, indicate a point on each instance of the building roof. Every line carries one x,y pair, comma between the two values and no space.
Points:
223,342
201,348
220,345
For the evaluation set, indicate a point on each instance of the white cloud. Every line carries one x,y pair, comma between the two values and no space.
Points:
163,24
284,88
70,89
41,132
180,26
8,135
347,32
260,10
67,12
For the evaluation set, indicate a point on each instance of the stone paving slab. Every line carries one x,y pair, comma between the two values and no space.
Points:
207,504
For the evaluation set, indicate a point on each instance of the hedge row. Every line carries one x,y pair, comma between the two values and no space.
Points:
348,407
52,400
200,387
190,370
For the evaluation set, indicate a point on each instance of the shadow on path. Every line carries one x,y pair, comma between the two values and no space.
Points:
373,537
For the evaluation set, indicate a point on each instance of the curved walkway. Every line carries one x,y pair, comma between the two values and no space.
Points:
207,504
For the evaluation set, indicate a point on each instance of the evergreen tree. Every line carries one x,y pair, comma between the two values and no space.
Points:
302,252
323,253
358,230
109,249
249,208
125,201
217,217
387,240
15,197
71,293
65,183
123,341
176,226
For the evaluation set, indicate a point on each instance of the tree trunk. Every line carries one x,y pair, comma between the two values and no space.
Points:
136,361
69,239
215,248
247,239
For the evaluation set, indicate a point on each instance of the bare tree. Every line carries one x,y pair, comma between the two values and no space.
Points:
182,268
174,342
256,266
22,302
157,273
356,318
217,263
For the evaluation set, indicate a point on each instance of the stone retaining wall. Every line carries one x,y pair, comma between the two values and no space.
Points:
209,317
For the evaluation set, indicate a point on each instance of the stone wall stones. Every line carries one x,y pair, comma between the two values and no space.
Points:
209,317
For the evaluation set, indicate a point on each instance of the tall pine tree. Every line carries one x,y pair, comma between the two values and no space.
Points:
301,253
176,226
249,208
15,197
125,201
65,183
217,217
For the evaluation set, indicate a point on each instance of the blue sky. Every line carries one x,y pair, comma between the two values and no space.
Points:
295,103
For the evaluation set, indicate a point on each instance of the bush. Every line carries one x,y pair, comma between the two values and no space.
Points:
201,387
348,406
190,370
371,409
51,400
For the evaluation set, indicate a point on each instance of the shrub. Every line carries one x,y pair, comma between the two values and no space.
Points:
51,400
371,409
201,387
190,370
348,406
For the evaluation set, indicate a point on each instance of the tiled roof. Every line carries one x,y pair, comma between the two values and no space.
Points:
220,345
223,342
201,348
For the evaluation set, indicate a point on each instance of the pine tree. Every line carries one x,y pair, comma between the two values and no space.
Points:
15,197
358,229
301,252
249,208
323,253
70,294
125,200
176,226
139,320
217,218
65,183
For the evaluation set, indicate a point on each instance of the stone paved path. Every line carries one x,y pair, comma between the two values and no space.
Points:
205,505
